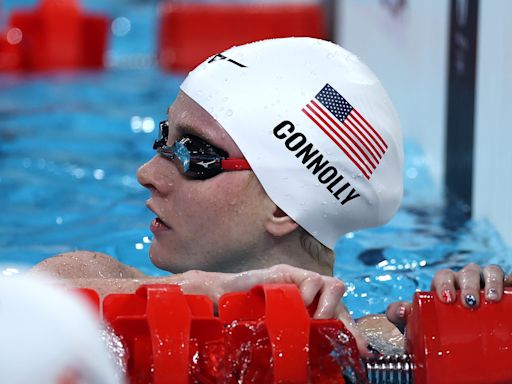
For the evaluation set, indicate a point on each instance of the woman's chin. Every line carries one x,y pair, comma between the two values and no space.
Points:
164,259
157,255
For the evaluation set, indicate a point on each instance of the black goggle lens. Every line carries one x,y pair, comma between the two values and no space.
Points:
197,159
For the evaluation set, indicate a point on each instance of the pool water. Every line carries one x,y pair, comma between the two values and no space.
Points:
70,144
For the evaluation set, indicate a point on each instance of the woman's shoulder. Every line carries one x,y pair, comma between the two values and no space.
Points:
85,264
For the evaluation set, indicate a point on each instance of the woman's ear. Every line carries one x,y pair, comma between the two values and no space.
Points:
280,224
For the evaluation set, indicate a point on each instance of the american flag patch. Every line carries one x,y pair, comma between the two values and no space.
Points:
347,128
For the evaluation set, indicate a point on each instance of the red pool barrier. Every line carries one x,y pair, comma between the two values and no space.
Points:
266,335
189,33
262,336
55,35
163,330
451,344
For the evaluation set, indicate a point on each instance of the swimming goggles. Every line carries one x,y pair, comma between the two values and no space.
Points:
197,159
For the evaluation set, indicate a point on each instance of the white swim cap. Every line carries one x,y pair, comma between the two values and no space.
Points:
49,335
316,126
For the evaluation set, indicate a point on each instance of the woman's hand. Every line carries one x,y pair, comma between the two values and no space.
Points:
468,281
329,290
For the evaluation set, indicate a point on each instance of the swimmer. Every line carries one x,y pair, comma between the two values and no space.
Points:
270,153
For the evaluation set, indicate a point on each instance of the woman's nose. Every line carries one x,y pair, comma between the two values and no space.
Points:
157,175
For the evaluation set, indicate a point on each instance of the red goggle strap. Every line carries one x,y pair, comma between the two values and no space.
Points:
235,164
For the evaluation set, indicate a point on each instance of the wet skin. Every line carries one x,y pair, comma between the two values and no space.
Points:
225,223
229,224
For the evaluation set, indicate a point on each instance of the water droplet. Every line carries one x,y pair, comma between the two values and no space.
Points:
14,36
121,26
229,112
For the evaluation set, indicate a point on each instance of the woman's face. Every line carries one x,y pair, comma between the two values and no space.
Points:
215,224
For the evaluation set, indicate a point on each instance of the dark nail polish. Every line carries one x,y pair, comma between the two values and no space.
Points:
470,300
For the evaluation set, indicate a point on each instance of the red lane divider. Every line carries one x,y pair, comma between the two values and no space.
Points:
189,33
451,344
55,35
265,335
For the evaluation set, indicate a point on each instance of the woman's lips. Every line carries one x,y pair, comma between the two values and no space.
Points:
158,226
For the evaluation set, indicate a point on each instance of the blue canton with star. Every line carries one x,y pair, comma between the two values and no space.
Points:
334,102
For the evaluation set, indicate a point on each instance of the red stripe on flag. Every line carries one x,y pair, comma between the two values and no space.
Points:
357,135
369,132
372,129
336,125
333,130
377,155
336,142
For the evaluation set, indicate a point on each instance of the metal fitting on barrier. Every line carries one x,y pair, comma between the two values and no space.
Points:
397,369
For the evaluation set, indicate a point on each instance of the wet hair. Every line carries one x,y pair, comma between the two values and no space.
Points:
318,252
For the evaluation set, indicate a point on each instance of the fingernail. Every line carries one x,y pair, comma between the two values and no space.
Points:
492,294
447,296
401,312
470,300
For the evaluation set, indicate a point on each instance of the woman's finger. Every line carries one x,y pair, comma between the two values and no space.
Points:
493,277
310,287
343,315
311,284
330,296
468,279
508,281
444,284
397,313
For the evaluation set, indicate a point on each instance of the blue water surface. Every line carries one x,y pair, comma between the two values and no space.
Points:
70,144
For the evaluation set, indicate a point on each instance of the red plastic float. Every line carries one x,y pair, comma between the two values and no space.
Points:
191,32
267,335
262,336
56,35
451,344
